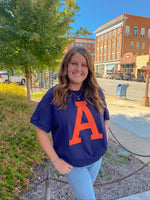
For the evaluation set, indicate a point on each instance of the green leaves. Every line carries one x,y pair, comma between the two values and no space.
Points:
34,34
19,148
35,28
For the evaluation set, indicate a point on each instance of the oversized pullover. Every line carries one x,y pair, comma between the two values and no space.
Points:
78,132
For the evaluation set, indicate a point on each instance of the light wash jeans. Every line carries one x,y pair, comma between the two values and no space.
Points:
81,180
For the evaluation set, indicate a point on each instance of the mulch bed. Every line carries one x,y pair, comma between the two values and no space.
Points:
114,166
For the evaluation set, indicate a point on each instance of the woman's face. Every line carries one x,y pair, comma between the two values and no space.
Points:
77,71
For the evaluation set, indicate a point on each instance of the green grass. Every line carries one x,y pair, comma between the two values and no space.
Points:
19,148
37,95
114,158
123,158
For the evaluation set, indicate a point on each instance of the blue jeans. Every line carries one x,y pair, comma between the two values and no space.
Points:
81,180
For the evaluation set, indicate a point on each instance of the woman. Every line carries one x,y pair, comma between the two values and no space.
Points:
76,114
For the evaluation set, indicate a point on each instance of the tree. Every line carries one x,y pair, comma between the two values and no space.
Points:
34,33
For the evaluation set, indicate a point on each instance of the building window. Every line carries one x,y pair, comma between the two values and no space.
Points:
93,51
117,55
104,57
148,33
104,48
137,45
101,38
109,34
135,31
143,45
97,50
118,44
127,31
112,56
77,44
101,49
85,45
118,33
114,32
100,57
142,32
108,57
93,46
108,47
132,45
89,46
81,45
113,46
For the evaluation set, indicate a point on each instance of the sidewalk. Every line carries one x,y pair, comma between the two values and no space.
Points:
130,123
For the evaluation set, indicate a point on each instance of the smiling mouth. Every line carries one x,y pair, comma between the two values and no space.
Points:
77,74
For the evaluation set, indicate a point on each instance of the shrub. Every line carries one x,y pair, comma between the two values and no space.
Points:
19,148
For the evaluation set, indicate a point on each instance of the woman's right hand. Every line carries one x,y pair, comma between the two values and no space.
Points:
62,166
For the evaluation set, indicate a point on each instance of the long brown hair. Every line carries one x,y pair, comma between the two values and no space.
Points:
89,88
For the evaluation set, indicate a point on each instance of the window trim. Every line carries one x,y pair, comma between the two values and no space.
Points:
137,46
135,32
127,31
143,46
149,33
142,35
131,45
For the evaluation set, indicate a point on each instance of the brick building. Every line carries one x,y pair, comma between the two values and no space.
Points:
87,43
119,41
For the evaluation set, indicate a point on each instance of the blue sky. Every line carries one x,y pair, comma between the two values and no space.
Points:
95,13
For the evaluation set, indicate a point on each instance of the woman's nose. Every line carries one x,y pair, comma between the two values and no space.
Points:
78,67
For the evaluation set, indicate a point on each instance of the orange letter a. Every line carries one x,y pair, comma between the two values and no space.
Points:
81,106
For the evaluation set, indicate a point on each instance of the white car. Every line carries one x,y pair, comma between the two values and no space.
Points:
12,79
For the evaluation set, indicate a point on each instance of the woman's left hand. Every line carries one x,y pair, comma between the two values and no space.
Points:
62,166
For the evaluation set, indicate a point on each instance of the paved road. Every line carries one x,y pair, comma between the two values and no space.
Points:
135,91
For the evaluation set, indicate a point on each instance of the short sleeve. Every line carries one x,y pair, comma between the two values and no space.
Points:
43,114
106,114
106,111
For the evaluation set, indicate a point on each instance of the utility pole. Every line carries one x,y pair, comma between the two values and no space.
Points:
146,98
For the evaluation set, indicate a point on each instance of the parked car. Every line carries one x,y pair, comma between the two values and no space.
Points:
119,76
141,78
129,77
98,75
12,79
110,75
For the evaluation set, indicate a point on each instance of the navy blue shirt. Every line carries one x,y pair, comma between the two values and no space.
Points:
78,132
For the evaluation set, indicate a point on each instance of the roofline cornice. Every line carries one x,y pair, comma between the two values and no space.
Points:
111,25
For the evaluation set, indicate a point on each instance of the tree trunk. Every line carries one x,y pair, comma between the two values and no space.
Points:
27,71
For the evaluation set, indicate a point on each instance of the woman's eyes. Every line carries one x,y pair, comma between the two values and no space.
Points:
84,65
73,63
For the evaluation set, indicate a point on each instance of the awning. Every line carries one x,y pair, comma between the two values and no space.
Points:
119,71
128,63
110,67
